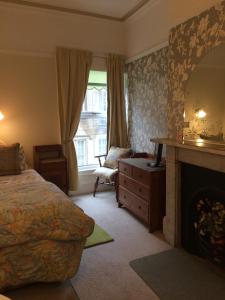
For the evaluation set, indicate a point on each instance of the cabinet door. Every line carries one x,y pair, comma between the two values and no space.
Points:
142,176
133,203
56,177
139,189
125,168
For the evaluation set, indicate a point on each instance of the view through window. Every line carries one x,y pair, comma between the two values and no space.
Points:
91,136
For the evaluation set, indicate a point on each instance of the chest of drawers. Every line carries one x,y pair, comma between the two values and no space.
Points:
141,189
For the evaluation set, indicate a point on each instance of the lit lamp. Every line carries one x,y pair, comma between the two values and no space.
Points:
200,113
1,116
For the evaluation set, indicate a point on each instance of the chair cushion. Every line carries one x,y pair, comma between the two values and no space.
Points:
105,173
114,154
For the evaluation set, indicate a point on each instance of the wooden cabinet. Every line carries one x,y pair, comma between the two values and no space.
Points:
50,163
141,189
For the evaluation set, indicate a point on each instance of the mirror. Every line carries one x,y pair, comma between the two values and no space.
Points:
204,110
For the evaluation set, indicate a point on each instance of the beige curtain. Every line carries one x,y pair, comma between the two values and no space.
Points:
117,127
73,68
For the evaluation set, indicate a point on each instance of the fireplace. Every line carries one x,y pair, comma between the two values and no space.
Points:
203,212
203,157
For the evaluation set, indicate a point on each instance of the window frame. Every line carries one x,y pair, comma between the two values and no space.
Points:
98,136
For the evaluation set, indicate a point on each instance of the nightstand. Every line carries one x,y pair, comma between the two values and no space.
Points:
51,164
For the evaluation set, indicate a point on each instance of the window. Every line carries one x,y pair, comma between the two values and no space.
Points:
101,145
91,137
81,149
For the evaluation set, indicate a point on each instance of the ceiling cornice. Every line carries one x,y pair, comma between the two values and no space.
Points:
134,10
76,11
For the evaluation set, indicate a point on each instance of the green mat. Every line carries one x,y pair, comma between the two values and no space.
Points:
178,275
99,236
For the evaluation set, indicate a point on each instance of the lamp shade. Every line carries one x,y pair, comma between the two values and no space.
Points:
1,116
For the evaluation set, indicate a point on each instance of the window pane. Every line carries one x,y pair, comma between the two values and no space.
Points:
91,135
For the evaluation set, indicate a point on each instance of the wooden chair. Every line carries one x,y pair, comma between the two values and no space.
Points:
107,175
104,175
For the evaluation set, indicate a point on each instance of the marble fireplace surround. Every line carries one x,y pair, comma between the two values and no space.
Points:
202,155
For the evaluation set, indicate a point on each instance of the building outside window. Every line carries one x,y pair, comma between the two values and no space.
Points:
91,137
81,145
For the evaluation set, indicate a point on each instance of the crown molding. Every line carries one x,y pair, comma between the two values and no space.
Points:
147,52
134,10
130,13
141,11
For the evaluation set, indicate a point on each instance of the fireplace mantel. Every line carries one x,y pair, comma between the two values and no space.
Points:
201,145
210,156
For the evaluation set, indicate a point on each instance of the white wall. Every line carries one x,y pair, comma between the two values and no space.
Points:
147,28
180,10
28,90
29,29
28,100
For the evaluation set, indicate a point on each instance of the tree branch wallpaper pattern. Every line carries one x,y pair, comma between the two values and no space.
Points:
147,94
189,42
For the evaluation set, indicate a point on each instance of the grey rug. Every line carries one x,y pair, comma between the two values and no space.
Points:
178,275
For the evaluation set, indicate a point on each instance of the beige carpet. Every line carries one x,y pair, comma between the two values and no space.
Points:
104,272
44,291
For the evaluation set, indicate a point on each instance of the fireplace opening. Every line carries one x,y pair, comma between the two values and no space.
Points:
203,212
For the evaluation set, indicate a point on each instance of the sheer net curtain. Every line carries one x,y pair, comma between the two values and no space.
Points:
73,67
116,117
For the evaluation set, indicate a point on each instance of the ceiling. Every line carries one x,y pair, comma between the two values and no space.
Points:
109,9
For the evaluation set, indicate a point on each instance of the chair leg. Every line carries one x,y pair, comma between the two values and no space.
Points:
95,186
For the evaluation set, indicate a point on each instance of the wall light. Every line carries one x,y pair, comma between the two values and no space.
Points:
200,114
200,142
1,116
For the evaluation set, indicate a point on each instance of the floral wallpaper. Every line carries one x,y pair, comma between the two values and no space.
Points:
189,42
147,94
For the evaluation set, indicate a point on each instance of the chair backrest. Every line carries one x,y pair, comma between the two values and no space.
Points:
114,154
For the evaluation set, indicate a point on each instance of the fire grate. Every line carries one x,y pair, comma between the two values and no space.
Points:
209,227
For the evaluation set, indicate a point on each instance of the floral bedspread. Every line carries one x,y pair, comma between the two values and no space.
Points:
26,176
33,210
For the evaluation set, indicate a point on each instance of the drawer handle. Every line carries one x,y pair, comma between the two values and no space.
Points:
139,190
139,207
124,196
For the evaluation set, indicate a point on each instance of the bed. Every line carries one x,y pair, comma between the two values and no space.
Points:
42,232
